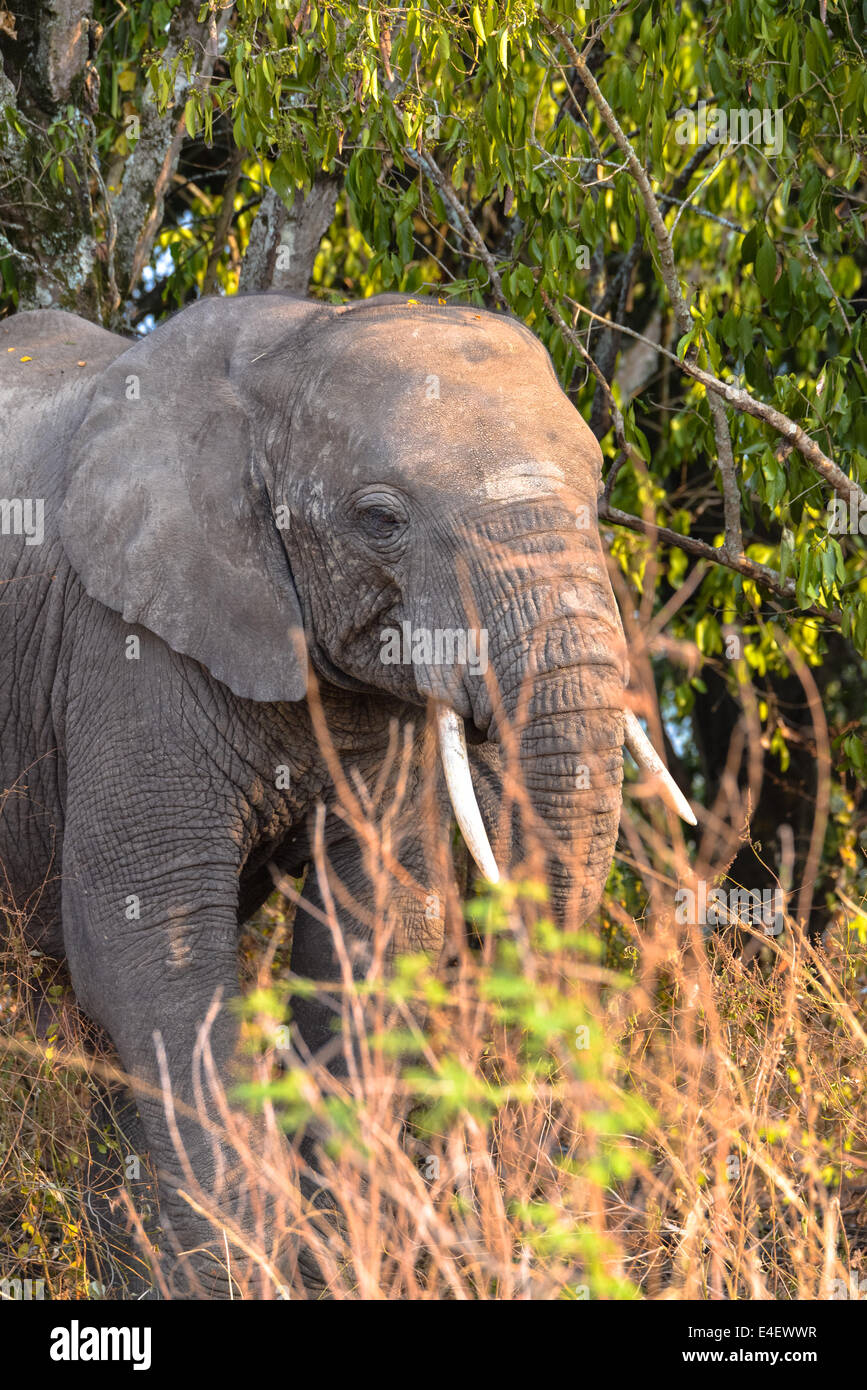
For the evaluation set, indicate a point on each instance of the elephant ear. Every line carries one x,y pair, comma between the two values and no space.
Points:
167,517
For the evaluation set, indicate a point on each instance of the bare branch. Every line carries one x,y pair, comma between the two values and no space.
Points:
223,220
443,184
572,338
636,168
720,555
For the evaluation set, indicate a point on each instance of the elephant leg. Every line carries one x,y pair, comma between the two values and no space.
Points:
116,1163
324,1030
151,940
409,915
113,1161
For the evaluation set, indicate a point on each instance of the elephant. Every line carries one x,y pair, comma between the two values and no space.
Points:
270,517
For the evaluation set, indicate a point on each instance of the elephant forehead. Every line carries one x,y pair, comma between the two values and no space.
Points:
482,446
467,403
410,328
501,445
463,353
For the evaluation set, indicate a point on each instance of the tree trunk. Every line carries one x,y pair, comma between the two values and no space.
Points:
46,214
283,244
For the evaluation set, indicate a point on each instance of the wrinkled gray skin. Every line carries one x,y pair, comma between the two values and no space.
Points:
431,467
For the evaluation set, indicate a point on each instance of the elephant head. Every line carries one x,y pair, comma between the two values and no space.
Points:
398,490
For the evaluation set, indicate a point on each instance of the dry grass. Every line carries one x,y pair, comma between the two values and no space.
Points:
639,1109
62,1154
704,1136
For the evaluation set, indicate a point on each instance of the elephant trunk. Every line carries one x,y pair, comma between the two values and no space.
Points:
552,699
560,729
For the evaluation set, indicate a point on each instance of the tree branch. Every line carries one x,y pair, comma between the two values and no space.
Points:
725,455
443,184
760,410
720,555
740,564
223,220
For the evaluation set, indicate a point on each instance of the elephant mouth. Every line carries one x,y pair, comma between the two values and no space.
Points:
323,664
474,734
453,753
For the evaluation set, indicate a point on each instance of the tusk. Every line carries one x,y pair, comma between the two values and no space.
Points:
453,751
645,755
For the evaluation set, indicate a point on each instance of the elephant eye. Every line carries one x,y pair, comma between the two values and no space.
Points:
381,518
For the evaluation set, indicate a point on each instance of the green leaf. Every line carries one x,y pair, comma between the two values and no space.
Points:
503,50
687,340
282,180
787,553
748,246
766,267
